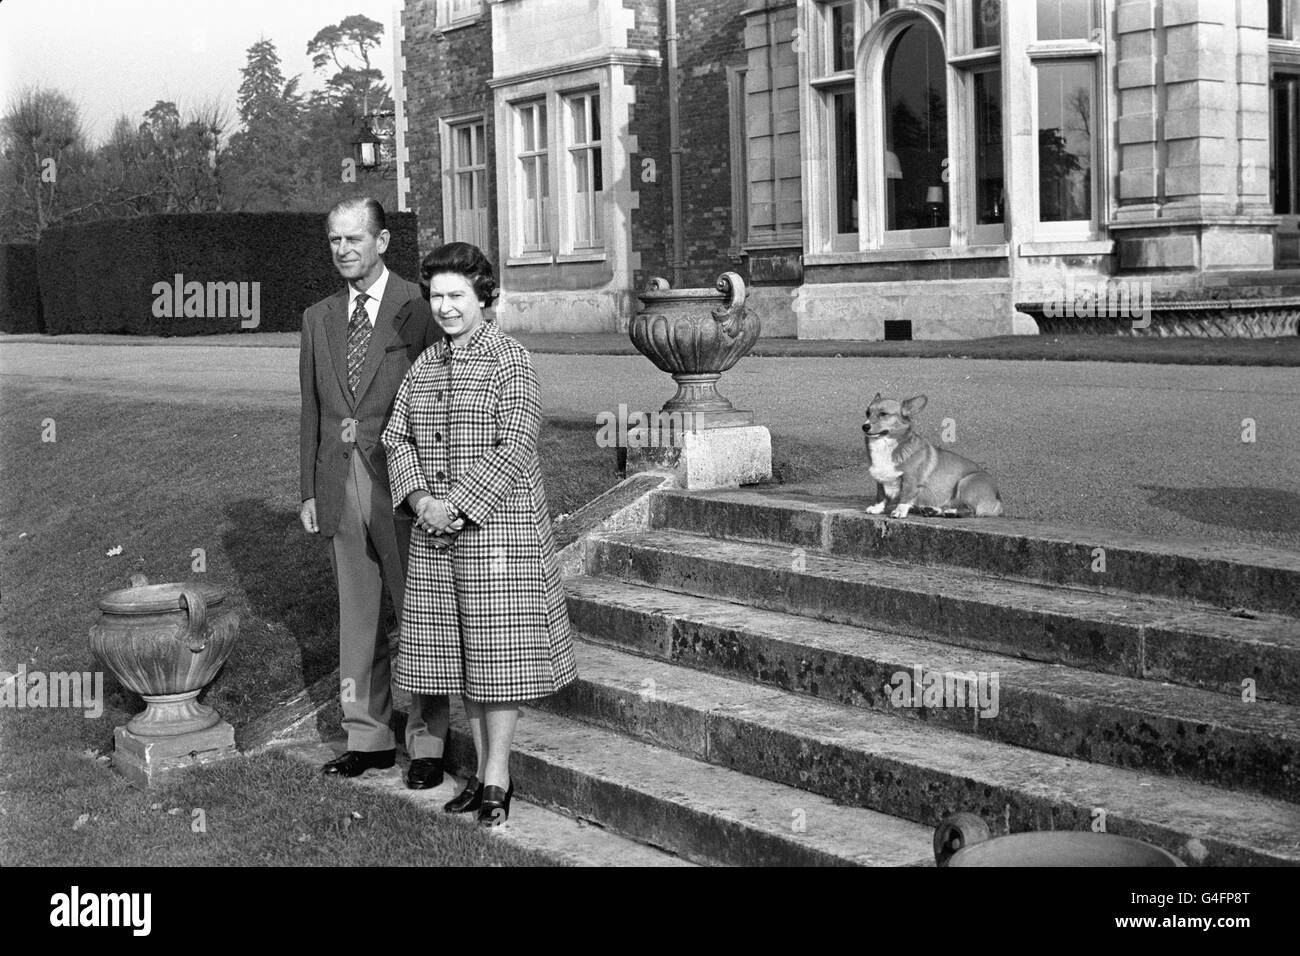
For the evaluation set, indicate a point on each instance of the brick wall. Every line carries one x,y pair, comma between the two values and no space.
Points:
446,74
711,38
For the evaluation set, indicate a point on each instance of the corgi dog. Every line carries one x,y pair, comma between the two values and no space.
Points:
913,474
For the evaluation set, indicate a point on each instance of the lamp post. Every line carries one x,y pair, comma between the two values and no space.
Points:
368,149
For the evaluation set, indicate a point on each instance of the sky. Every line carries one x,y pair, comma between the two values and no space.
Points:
121,56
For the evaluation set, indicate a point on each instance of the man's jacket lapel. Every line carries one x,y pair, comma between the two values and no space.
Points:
336,335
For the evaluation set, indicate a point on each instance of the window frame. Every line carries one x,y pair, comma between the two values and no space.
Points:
446,19
569,243
1090,50
520,249
448,126
554,94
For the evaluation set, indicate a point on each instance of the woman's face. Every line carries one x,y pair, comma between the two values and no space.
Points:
455,306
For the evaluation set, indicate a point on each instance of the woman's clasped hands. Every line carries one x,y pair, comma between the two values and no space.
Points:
432,517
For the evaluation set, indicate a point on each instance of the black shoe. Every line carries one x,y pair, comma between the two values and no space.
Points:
468,800
353,763
424,772
495,808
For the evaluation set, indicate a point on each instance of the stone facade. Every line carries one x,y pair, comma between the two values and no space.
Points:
1081,141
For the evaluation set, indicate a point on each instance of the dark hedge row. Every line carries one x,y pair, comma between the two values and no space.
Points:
20,300
235,269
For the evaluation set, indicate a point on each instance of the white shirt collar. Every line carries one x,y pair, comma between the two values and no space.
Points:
374,295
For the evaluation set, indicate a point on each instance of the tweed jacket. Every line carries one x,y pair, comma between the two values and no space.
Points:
486,617
335,424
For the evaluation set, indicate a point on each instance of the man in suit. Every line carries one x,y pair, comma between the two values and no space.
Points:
356,348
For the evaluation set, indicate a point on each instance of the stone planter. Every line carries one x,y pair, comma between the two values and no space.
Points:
695,335
166,642
963,839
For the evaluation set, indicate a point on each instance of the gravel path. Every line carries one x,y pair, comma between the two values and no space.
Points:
1154,449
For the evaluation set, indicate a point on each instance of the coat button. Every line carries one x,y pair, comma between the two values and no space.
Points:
437,436
438,397
440,476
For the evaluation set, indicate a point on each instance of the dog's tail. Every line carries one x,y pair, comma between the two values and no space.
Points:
989,509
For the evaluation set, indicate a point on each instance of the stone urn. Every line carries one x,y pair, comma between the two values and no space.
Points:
166,642
695,335
963,839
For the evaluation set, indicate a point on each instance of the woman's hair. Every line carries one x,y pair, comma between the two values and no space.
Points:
462,259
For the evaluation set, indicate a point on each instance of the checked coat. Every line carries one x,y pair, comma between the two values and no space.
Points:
486,617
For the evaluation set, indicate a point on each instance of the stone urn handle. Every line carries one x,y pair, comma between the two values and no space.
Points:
192,600
956,832
728,316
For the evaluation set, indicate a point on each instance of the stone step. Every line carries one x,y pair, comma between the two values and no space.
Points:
910,768
1162,728
1255,578
1128,635
698,810
560,838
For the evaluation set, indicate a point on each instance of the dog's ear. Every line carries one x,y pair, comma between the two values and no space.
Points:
913,405
876,399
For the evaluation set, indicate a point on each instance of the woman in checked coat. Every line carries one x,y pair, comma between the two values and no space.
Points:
485,614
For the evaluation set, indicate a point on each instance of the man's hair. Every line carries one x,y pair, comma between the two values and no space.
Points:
376,221
465,260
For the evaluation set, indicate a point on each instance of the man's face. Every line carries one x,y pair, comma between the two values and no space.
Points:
356,252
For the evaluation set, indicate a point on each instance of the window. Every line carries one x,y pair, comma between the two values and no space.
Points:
1286,146
987,24
1067,67
465,198
1064,19
1279,19
554,171
585,215
533,183
1284,131
772,148
456,13
916,138
1065,143
834,216
990,186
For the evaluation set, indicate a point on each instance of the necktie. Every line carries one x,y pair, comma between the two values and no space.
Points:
358,341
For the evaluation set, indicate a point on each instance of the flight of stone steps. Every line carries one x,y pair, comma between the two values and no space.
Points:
748,660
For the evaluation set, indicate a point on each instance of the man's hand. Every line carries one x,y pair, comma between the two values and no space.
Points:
307,515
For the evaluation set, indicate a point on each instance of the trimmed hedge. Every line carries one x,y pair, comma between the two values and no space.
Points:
101,276
20,298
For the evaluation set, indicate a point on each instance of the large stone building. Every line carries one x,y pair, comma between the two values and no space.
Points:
873,167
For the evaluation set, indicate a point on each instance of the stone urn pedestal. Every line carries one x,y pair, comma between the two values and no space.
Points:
699,436
166,642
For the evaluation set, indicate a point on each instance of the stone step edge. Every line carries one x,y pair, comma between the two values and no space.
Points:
562,839
1165,631
794,849
839,530
1187,844
1011,670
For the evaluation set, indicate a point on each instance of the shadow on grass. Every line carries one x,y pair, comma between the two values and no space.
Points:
1248,509
288,585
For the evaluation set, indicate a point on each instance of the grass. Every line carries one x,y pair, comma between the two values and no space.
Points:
159,481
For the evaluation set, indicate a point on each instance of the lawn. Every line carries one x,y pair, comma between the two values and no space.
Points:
134,486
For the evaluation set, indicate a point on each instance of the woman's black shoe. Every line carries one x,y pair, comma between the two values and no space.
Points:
468,800
495,808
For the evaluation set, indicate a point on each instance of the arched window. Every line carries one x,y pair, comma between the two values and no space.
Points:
915,167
